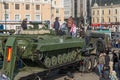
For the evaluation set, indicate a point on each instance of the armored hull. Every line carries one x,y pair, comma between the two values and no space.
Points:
51,51
48,51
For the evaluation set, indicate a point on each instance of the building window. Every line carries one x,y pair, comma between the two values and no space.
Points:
57,10
102,12
93,12
115,11
6,5
75,8
98,12
17,17
17,6
115,19
102,20
109,12
109,20
97,20
54,2
27,6
37,17
6,16
93,20
37,7
27,16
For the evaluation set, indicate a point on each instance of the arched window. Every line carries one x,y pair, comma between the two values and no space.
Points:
102,20
109,12
97,20
115,19
115,11
109,19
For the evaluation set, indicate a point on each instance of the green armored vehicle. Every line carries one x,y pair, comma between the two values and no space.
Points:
48,51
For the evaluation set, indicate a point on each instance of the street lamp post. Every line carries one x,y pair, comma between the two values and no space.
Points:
4,3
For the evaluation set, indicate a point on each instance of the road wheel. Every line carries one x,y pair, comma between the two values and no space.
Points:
72,55
94,61
65,56
54,60
60,59
38,78
69,57
47,62
87,64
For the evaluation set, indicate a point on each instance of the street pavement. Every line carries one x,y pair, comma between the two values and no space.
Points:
84,76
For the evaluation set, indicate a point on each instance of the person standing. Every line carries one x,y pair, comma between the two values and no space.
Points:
24,24
115,59
106,67
111,62
107,57
56,25
101,62
73,30
114,71
119,59
69,24
116,43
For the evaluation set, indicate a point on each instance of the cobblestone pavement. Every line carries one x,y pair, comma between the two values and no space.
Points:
85,76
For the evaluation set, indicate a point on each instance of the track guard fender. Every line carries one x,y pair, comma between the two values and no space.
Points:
9,57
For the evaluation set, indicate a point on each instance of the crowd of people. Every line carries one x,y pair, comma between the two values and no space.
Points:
70,26
116,43
108,65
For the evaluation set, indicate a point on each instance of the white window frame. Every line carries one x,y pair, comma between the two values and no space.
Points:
6,18
15,17
27,17
36,17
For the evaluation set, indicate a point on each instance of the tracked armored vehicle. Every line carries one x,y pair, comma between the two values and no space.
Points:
48,51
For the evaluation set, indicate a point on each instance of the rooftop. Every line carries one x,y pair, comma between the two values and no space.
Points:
103,2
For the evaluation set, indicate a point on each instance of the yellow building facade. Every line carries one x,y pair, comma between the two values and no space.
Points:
13,11
105,14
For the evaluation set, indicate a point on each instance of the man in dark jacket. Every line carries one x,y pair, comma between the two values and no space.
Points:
24,24
107,58
56,26
115,59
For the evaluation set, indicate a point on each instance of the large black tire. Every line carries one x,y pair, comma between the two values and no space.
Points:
100,45
38,78
94,60
87,64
